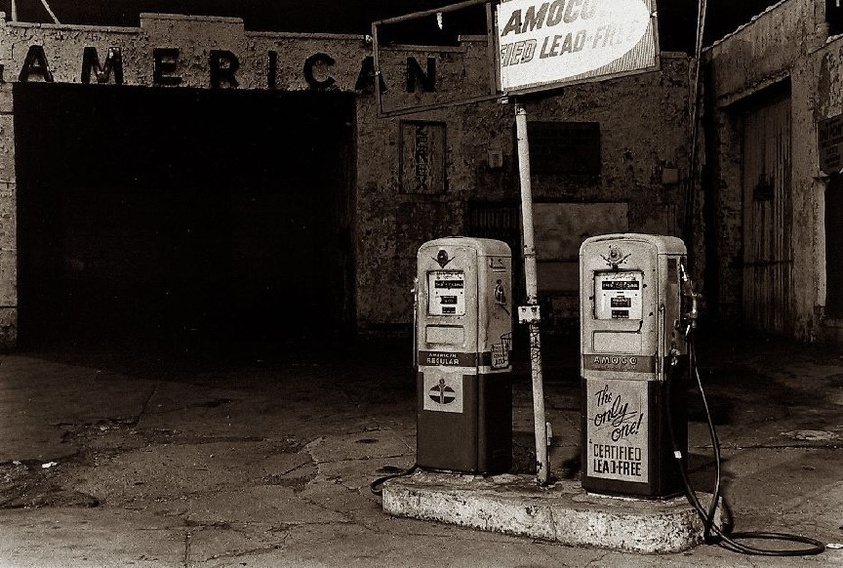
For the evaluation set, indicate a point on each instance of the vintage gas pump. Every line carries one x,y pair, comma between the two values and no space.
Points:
463,341
634,354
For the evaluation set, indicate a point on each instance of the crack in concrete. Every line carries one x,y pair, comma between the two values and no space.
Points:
145,405
553,524
246,529
296,468
836,446
598,561
360,459
347,518
247,553
186,557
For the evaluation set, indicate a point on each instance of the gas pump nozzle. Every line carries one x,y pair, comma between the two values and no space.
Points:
689,317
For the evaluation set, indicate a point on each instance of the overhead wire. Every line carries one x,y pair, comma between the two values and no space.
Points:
694,106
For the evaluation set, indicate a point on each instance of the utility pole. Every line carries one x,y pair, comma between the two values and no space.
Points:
529,314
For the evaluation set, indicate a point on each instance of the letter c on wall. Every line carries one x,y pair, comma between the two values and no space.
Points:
311,63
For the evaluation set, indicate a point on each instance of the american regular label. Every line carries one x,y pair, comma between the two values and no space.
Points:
617,430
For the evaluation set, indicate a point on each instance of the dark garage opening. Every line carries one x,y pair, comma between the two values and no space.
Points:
834,247
180,214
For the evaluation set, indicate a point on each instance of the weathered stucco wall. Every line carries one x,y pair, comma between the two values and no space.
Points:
763,51
644,152
8,221
808,221
784,47
818,95
643,132
644,144
644,148
723,197
393,222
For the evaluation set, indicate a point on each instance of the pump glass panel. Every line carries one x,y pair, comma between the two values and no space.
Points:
617,295
446,293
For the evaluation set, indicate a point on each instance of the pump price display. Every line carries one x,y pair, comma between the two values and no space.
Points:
446,293
617,295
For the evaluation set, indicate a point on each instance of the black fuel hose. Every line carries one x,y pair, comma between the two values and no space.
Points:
376,485
713,534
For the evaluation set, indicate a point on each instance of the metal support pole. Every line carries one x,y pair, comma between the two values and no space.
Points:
532,313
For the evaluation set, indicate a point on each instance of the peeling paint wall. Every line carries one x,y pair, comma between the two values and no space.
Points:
644,143
8,221
643,133
644,160
820,96
644,138
764,50
787,45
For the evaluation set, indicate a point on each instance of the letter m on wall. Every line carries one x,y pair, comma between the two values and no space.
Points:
113,65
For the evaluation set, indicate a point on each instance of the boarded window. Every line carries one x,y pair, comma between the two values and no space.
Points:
560,230
564,148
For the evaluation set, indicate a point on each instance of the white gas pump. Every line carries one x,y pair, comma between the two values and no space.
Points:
632,346
463,342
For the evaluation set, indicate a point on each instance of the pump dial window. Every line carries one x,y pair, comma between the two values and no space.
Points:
617,295
446,293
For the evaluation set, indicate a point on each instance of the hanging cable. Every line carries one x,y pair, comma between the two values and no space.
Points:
50,11
377,485
712,533
694,106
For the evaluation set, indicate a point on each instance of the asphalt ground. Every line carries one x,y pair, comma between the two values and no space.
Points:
263,455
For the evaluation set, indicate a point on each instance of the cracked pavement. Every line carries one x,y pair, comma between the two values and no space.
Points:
265,458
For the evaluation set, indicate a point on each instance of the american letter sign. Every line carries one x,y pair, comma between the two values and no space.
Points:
549,44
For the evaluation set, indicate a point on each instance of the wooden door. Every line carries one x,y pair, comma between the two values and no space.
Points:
768,259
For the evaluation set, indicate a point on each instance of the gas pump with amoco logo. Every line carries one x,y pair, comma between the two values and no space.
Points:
463,342
632,345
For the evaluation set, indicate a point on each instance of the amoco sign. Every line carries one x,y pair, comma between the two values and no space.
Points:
546,44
